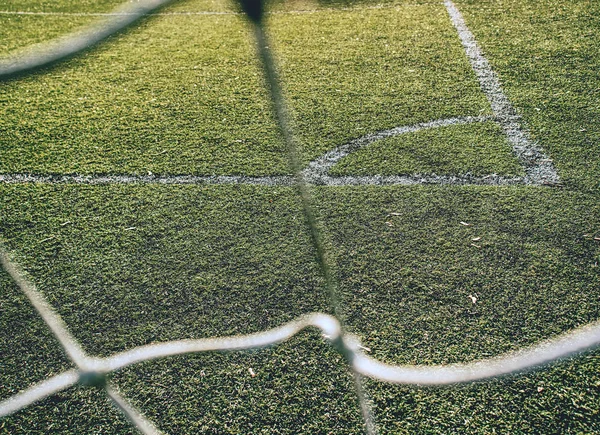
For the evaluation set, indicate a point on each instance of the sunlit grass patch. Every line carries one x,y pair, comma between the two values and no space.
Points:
476,149
546,54
22,31
182,94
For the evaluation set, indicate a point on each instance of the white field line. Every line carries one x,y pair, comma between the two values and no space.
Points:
323,164
411,180
538,167
317,172
146,179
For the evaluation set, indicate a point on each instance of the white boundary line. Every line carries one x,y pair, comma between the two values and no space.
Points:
316,173
146,179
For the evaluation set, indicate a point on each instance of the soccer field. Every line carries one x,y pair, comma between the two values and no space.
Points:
452,151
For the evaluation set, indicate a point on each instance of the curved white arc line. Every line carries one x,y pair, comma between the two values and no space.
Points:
69,45
51,318
321,165
133,415
577,340
39,391
326,323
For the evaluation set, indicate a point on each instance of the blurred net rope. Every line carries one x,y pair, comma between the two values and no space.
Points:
94,372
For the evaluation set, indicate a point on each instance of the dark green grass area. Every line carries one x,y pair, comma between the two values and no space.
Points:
301,386
560,399
126,266
129,265
93,6
408,268
183,94
28,351
477,149
546,54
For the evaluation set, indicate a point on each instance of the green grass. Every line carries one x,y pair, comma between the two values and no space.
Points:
215,262
479,149
130,265
183,95
157,106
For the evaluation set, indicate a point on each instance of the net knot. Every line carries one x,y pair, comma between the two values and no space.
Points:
92,379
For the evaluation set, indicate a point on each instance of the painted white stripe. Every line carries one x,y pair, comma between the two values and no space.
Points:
315,180
411,180
146,179
538,167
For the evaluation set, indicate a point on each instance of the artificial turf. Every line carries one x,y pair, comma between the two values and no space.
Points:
33,30
62,6
129,265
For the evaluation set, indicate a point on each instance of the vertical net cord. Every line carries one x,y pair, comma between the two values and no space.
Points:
292,149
